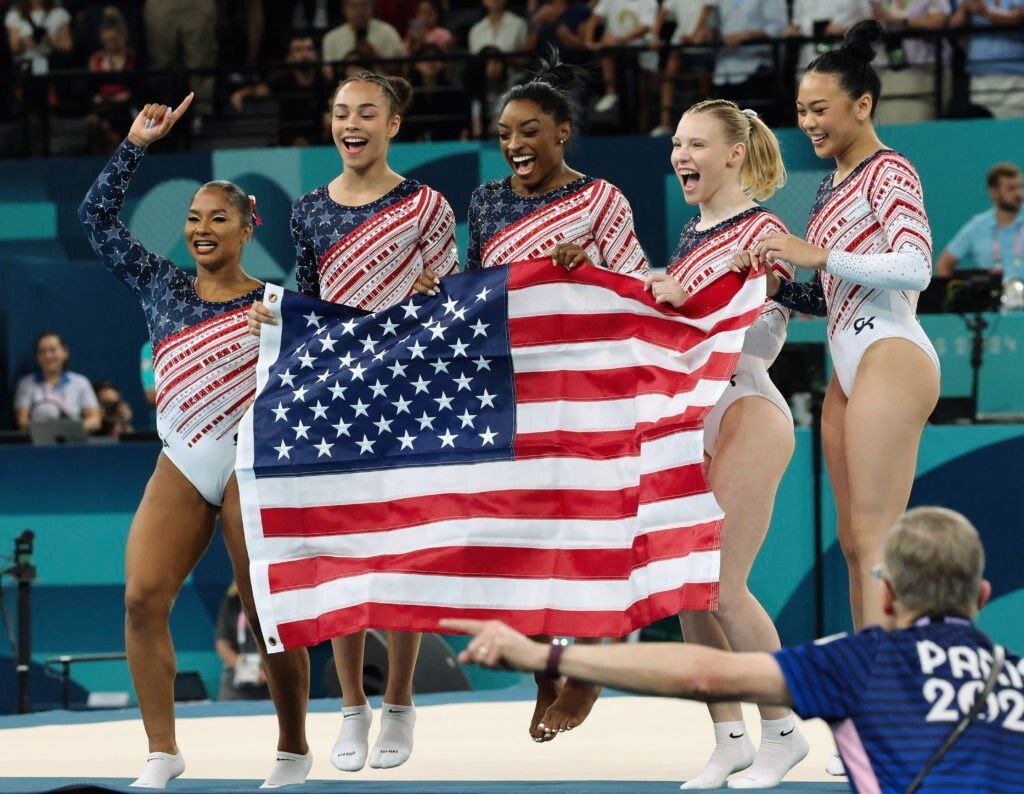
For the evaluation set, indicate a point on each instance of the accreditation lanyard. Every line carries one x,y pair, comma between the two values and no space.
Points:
1018,247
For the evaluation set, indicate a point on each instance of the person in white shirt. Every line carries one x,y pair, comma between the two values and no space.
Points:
35,30
372,37
823,19
500,29
626,23
693,26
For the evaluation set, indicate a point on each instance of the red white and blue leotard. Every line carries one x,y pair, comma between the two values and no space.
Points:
204,359
505,227
369,256
700,258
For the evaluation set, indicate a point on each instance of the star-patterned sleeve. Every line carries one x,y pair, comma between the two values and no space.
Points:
805,297
473,254
125,257
437,235
307,280
612,224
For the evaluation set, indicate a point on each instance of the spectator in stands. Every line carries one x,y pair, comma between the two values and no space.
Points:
426,28
626,23
241,28
500,29
371,37
558,24
823,20
242,677
115,413
438,111
992,240
53,392
300,111
694,27
490,80
397,13
744,73
908,84
183,33
995,61
111,116
36,29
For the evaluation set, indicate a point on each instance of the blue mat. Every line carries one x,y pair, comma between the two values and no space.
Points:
21,785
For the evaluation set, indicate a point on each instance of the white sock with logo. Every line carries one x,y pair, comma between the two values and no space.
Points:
160,769
394,745
290,769
782,748
733,752
350,748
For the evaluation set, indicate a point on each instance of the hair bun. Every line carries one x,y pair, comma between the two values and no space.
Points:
860,39
556,74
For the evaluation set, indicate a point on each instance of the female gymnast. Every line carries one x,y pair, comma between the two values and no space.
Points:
726,158
546,208
869,239
368,239
204,361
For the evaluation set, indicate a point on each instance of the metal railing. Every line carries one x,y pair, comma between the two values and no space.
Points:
41,104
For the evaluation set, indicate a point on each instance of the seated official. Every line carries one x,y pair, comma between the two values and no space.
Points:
54,393
893,696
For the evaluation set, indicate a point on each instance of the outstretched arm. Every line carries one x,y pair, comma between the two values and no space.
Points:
669,669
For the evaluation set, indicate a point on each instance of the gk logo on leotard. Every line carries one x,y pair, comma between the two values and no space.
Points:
863,322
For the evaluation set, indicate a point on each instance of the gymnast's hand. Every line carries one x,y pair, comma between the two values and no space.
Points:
789,248
665,289
155,121
257,315
569,255
498,646
744,260
426,282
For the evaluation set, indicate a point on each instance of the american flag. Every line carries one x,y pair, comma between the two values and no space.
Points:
525,445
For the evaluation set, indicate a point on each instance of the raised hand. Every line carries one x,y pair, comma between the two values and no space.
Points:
155,121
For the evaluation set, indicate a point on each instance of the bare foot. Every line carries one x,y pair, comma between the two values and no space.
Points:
548,690
571,707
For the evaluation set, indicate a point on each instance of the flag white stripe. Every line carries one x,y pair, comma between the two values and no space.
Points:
387,485
467,592
546,533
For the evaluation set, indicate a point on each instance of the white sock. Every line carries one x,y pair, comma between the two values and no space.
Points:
394,745
835,766
290,769
349,751
782,748
733,751
159,770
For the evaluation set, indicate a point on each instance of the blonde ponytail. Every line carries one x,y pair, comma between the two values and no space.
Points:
763,171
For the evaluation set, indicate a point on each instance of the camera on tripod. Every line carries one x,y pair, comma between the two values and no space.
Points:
974,291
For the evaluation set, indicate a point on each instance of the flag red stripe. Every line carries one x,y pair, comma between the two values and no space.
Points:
505,562
513,503
570,623
606,444
616,384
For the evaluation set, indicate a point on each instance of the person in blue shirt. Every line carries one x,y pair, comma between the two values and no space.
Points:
992,240
892,695
995,61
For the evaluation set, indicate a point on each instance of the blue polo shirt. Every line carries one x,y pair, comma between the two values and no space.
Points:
996,53
973,244
892,698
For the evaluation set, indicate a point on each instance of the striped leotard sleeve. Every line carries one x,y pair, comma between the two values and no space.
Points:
897,200
612,224
437,235
100,214
805,297
307,279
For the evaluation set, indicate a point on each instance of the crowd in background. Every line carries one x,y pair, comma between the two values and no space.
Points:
646,60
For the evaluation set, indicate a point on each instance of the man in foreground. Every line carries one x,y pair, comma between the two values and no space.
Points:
893,696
